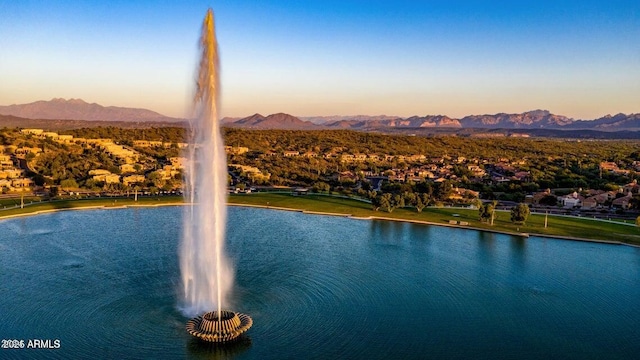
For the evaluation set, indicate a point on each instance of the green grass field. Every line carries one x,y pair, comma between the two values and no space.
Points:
37,206
583,228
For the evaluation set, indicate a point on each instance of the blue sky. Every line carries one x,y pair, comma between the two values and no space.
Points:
576,58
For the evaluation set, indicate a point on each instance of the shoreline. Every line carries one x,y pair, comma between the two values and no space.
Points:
90,207
310,212
422,222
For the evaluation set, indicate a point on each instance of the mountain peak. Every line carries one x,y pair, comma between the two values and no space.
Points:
538,112
70,101
273,121
78,109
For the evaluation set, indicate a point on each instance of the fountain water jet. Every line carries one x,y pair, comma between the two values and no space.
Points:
206,275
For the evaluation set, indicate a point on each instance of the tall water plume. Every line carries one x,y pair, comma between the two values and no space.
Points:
206,274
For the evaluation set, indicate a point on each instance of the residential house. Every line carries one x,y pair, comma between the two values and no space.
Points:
632,187
476,170
22,184
95,172
26,150
127,168
521,176
133,179
65,139
590,203
537,196
347,176
251,172
11,173
168,172
107,178
49,135
5,161
461,193
141,143
609,166
572,200
622,202
416,158
5,184
32,131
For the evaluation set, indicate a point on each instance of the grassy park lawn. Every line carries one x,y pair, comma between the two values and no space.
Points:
557,225
36,205
583,228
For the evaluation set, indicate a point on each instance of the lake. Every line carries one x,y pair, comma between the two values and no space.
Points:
104,283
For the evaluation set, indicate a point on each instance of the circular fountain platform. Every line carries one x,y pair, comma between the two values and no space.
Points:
219,328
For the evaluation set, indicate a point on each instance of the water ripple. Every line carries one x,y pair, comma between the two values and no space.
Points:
317,287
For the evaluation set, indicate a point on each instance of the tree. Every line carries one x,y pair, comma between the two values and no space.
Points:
386,202
487,212
398,201
426,198
321,187
68,184
410,198
39,180
169,185
376,202
155,178
520,213
419,204
638,221
443,190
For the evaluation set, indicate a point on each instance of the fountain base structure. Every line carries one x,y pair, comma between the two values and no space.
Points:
216,328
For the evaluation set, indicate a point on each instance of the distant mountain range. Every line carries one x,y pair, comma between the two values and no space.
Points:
81,111
537,119
77,109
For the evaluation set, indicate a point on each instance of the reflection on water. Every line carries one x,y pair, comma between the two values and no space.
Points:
318,287
391,233
518,247
211,351
486,248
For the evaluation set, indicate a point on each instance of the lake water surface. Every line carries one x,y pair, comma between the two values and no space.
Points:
104,283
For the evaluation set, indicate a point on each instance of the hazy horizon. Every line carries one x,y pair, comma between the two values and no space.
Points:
324,58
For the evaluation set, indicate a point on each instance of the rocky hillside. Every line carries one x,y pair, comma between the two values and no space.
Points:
529,120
